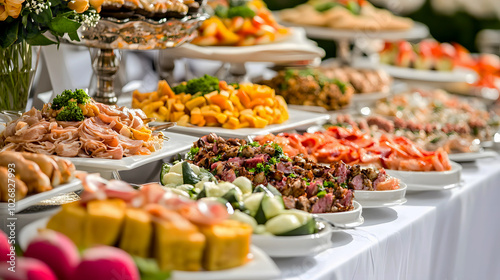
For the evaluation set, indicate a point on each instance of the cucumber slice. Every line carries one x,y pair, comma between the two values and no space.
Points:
172,179
252,203
234,196
270,206
207,174
176,168
308,228
270,190
282,224
244,218
164,170
188,175
243,183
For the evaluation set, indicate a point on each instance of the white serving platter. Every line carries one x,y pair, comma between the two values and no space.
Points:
351,218
378,199
176,144
294,246
431,180
297,119
33,199
468,157
294,48
259,267
418,31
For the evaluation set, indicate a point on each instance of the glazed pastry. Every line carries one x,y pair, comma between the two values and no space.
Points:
47,165
20,187
27,171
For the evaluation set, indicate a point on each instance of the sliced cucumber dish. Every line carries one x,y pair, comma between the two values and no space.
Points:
261,207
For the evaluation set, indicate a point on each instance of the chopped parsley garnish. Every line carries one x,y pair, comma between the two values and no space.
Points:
217,158
192,152
400,108
328,184
343,185
292,175
321,194
273,161
254,144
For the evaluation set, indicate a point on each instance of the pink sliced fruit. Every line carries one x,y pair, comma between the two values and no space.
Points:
57,251
27,269
4,247
104,263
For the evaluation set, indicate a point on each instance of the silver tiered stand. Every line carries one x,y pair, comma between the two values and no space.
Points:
111,35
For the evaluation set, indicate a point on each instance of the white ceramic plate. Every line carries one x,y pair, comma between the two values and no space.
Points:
419,31
368,97
294,246
176,144
33,199
351,218
297,119
260,266
432,180
457,75
468,157
294,48
377,199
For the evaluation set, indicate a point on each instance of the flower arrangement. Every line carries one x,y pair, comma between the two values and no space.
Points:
29,20
25,23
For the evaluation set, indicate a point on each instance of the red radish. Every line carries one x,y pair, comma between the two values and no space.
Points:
57,251
4,247
106,263
27,269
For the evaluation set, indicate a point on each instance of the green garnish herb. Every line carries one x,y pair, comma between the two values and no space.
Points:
273,161
254,144
193,152
70,112
321,194
328,184
202,86
343,185
292,175
435,140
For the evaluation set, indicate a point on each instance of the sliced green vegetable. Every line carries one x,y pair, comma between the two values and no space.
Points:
308,228
164,170
188,175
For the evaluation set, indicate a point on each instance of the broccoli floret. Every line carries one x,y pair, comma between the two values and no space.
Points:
70,113
180,88
203,85
240,11
63,99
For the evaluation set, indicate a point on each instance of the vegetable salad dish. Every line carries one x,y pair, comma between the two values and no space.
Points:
206,101
261,207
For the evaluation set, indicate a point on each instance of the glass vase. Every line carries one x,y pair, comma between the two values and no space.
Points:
18,65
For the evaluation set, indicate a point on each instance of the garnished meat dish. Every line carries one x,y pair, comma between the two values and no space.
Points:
439,111
451,138
74,125
353,146
304,184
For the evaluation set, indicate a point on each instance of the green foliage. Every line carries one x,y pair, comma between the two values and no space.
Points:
38,18
202,85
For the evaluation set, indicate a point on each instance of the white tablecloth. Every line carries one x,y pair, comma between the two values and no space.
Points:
436,235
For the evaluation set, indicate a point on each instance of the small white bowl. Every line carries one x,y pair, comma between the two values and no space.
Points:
376,199
431,180
351,218
294,246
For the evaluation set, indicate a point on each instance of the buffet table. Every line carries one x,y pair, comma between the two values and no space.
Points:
435,235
